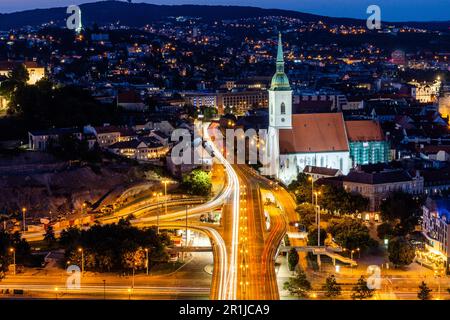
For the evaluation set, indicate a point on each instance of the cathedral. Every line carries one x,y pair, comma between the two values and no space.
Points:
298,140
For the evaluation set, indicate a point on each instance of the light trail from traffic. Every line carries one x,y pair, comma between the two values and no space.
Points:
234,188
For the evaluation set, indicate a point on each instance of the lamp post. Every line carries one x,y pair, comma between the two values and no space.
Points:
316,194
200,116
310,178
24,211
134,268
104,289
13,251
146,259
165,195
186,224
157,195
82,260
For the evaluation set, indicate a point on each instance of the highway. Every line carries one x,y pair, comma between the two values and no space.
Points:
261,245
243,249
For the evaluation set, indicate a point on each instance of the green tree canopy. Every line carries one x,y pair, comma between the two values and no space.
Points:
331,287
20,246
307,214
332,198
312,236
350,233
198,182
424,292
114,247
301,188
298,285
403,210
401,252
17,78
385,230
361,291
292,259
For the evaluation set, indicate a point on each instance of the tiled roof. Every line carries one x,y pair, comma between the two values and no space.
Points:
129,96
132,144
55,131
377,177
364,130
320,170
318,132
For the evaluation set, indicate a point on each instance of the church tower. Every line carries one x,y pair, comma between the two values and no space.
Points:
280,95
280,113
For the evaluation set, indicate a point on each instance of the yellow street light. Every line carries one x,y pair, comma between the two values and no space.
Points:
24,211
13,251
82,259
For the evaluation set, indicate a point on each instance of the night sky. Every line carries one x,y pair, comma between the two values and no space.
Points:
392,10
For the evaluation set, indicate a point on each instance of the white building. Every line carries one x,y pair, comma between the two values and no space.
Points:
298,140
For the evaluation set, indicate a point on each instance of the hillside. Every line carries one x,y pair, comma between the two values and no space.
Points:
139,14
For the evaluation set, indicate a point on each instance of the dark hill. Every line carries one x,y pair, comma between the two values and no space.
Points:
139,14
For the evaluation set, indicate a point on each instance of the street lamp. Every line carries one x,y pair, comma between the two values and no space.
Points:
82,260
316,194
134,268
165,194
310,178
200,116
13,251
146,259
24,211
157,195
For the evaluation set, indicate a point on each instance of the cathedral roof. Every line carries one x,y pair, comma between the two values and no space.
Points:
318,132
364,130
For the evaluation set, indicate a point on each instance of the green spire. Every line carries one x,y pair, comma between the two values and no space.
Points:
280,49
280,81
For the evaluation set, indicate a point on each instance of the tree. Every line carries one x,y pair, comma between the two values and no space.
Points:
350,233
307,214
301,188
198,182
385,230
21,248
49,236
361,291
312,236
298,285
17,77
331,287
293,259
338,199
402,210
401,252
424,292
115,247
